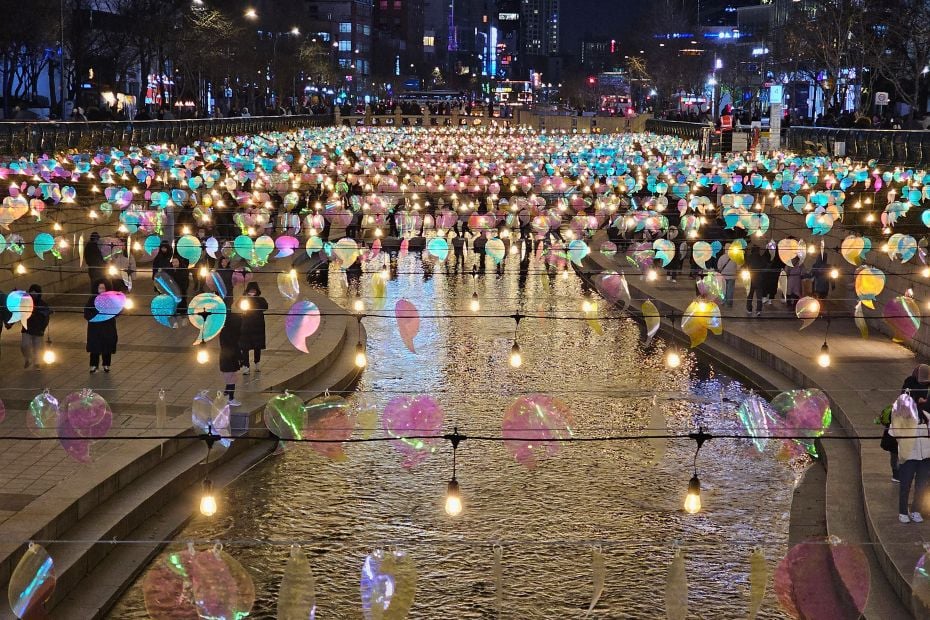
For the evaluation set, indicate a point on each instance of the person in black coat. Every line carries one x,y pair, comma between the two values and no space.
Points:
35,328
253,307
231,354
101,336
93,258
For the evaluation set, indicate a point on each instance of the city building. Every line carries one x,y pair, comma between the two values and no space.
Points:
600,54
398,41
540,38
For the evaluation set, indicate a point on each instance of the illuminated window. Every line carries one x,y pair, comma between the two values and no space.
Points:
345,46
429,41
345,26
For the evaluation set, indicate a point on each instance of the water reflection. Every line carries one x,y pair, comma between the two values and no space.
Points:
546,519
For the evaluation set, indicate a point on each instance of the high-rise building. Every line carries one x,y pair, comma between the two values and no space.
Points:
398,39
436,33
540,27
540,37
345,26
473,39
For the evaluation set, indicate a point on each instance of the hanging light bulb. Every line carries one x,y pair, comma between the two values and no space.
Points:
130,304
358,304
207,499
453,496
361,360
20,269
203,356
453,499
586,306
925,272
652,275
112,270
824,358
516,358
673,358
474,304
203,272
834,273
744,274
48,356
385,273
244,304
693,498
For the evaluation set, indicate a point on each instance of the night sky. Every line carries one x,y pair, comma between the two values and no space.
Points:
600,18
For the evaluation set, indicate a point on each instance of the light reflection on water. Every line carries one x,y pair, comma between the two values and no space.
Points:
546,519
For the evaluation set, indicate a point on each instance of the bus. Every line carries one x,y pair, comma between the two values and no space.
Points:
426,97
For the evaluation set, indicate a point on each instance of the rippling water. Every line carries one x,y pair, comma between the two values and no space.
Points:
547,519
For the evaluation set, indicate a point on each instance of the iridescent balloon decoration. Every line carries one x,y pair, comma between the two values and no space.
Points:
807,309
198,584
42,417
388,585
818,579
700,317
285,416
85,416
870,282
211,416
757,418
207,312
532,426
297,596
301,322
903,317
32,583
329,418
802,415
408,322
411,420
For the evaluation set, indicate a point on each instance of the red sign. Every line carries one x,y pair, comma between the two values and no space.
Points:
726,122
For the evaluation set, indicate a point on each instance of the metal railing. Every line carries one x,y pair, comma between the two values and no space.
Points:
885,146
23,138
690,131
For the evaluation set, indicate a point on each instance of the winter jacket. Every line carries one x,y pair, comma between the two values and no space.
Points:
101,336
253,324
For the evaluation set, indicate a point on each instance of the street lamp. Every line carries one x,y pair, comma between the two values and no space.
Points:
251,14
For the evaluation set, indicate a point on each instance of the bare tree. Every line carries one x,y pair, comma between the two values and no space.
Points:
905,63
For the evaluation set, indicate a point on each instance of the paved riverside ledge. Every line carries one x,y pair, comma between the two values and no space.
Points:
47,495
864,377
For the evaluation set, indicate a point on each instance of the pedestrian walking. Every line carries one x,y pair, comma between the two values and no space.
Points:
36,325
909,427
756,264
230,354
252,338
794,270
820,274
726,266
93,258
101,335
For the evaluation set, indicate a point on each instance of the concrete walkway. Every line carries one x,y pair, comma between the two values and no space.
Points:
864,377
44,493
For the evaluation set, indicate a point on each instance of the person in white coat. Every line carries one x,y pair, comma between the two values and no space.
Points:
727,268
909,427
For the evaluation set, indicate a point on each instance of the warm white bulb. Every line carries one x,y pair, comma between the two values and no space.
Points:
203,356
244,304
475,303
834,273
453,499
926,272
361,360
204,272
744,274
208,504
586,306
130,304
673,359
693,499
385,274
49,356
824,360
652,275
516,358
358,305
